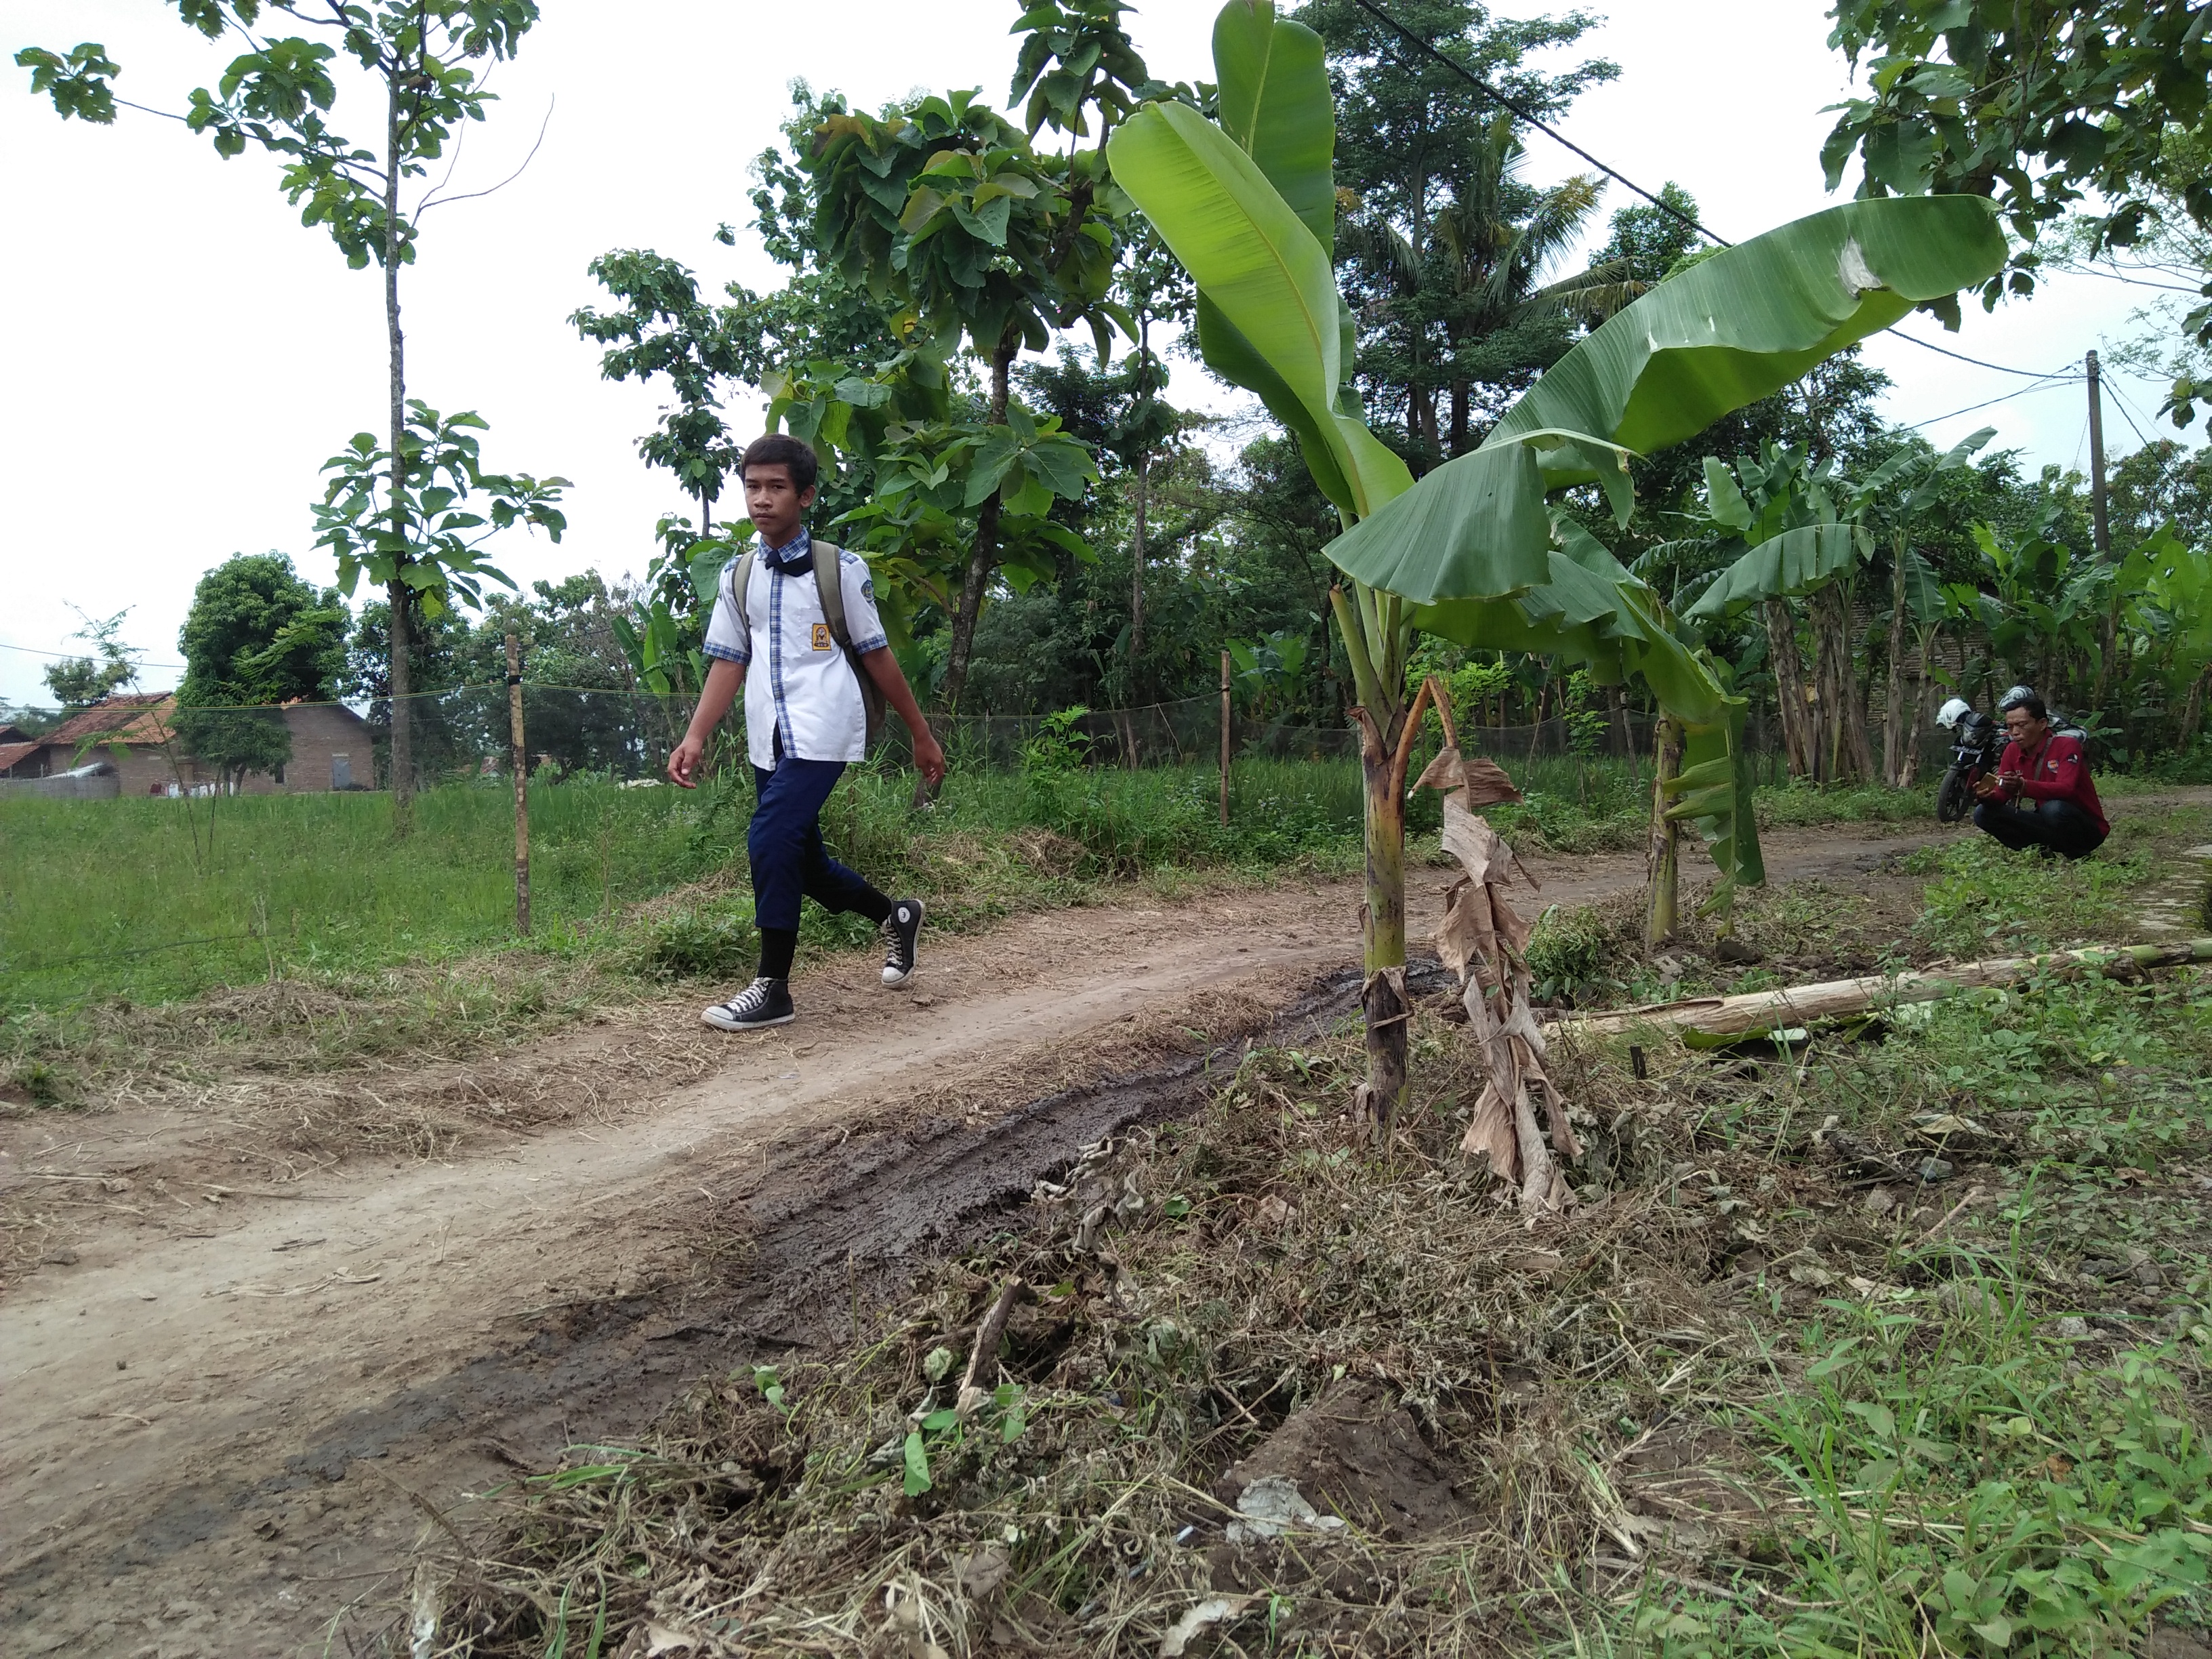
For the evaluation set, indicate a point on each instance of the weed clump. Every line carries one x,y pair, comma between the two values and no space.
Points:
697,942
1571,951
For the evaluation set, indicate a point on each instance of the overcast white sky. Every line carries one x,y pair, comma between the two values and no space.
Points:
184,355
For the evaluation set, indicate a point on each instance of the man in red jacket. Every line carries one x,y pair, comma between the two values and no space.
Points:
2041,795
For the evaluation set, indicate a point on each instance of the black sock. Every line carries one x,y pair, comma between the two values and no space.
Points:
778,946
874,906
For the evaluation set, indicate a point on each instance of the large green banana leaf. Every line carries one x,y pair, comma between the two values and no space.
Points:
1593,610
1752,318
1276,104
1724,333
1263,272
1782,567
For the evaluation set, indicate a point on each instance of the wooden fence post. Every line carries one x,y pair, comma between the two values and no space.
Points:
521,765
1224,737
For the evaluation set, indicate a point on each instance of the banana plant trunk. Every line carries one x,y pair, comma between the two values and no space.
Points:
1844,751
1383,992
1375,632
1897,733
1663,910
1798,737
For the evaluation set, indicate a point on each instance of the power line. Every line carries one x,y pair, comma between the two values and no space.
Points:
1533,118
2052,383
74,656
1930,345
1615,173
2120,403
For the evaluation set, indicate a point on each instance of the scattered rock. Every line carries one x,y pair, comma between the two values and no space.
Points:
980,1572
1878,1200
62,1258
1962,1298
1357,1454
1272,1505
2073,1328
1935,1169
2146,1273
2100,1267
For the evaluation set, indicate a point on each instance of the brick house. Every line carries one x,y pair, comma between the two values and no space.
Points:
331,748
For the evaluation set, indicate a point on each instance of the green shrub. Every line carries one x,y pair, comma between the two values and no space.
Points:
696,943
1568,952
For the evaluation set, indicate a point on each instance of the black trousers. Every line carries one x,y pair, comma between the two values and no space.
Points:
2060,825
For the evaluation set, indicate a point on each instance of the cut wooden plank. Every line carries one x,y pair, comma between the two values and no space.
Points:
1757,1013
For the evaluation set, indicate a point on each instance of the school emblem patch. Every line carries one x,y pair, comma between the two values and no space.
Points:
823,642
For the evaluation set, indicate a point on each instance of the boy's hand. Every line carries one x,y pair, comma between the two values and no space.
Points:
683,763
929,758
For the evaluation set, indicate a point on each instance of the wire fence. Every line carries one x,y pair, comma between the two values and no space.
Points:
463,735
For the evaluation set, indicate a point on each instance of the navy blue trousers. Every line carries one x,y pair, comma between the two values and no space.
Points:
784,844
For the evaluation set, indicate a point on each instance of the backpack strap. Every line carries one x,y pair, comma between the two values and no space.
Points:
829,585
741,584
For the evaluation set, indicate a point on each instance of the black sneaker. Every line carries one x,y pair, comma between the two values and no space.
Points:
764,1002
902,931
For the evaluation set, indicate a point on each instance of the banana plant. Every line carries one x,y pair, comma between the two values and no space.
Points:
1474,550
1805,529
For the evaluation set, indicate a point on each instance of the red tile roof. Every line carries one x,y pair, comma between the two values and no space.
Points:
11,753
135,717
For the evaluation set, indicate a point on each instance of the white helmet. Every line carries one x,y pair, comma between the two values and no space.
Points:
1953,712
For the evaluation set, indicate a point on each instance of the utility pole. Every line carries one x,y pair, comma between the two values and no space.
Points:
2097,463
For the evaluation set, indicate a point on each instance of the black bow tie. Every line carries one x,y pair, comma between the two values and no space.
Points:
796,560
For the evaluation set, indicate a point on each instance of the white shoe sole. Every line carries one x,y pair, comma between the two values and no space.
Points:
722,1022
892,977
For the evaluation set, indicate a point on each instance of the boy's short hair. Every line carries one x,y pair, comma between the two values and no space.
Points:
782,449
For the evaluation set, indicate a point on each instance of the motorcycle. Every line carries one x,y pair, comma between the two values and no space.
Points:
1977,742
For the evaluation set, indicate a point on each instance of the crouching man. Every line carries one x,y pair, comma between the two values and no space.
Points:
772,634
2042,795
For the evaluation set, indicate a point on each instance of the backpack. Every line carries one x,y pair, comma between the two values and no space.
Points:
831,592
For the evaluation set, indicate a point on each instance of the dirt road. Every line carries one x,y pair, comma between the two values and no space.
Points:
227,1423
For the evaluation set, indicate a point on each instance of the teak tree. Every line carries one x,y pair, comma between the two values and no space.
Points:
666,329
278,96
1474,552
954,218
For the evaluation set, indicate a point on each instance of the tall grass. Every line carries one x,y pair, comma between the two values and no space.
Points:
314,880
156,899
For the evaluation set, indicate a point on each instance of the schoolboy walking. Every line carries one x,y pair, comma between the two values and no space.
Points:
796,627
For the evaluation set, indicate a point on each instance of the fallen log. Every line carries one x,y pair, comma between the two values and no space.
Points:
1756,1013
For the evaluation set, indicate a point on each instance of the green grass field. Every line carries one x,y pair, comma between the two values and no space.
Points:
154,900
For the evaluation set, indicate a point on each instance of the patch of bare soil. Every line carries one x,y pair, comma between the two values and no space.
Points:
239,1387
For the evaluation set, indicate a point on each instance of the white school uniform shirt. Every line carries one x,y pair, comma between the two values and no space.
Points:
799,690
